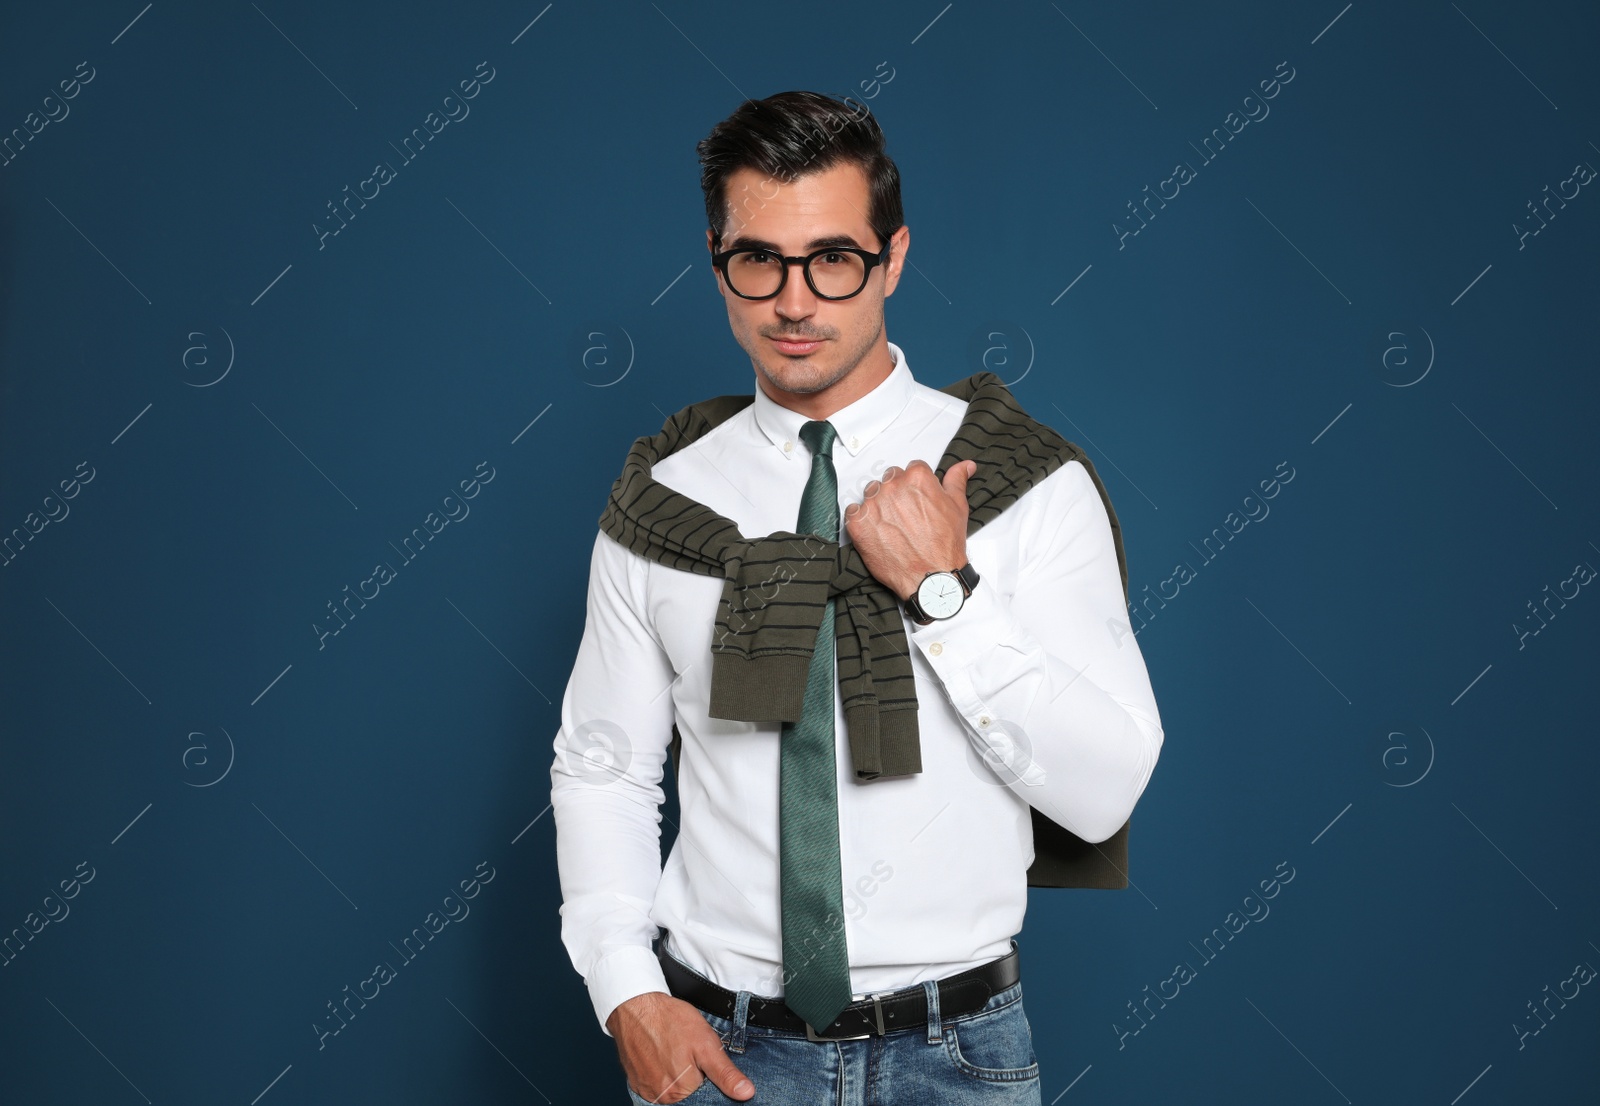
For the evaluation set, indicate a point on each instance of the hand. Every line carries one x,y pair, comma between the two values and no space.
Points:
668,1049
909,524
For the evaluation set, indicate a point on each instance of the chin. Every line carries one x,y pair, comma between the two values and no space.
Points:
802,384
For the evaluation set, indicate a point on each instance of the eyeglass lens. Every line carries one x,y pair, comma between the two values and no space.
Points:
758,273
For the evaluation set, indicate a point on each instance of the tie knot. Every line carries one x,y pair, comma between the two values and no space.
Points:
819,435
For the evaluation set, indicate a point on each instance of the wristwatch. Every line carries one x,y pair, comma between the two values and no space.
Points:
941,594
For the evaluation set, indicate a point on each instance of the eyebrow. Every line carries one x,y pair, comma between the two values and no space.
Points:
744,241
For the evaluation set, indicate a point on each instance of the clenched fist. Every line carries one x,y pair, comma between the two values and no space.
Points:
910,524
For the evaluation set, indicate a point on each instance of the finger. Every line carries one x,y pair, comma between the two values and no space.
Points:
677,1085
891,472
728,1078
957,475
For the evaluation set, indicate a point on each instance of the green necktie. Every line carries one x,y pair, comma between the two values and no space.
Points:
815,960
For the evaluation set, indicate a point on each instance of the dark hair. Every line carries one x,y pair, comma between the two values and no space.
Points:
789,135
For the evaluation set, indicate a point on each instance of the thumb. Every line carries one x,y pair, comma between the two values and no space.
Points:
729,1079
957,475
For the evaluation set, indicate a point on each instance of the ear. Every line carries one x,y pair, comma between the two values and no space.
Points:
716,274
900,242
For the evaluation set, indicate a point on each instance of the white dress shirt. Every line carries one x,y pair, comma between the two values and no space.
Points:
1035,692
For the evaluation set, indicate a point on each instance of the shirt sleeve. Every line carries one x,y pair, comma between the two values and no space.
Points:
605,785
1051,683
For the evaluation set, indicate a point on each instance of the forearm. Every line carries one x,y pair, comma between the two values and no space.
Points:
608,856
1055,736
605,785
1043,668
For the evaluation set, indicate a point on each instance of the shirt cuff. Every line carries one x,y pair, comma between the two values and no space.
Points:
955,647
620,976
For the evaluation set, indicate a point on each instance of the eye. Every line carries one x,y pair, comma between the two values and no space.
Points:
832,258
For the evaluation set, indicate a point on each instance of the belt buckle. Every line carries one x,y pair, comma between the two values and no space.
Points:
877,1016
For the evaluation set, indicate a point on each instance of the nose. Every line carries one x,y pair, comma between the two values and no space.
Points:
795,300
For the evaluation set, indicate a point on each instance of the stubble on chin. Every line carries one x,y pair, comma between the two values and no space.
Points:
798,380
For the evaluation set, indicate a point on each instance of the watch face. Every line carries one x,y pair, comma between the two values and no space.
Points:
940,595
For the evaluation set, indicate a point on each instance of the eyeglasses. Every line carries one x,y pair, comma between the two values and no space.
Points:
833,273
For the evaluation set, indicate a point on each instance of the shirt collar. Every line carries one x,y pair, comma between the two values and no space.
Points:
857,423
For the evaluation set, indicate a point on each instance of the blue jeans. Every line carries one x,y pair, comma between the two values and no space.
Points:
984,1058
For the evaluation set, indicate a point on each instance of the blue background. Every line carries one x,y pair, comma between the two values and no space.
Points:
1343,688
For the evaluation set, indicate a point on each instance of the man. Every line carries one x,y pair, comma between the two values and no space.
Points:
911,816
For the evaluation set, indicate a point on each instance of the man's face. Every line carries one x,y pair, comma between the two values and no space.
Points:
822,208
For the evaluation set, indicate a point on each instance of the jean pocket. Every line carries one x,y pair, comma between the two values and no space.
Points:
995,1046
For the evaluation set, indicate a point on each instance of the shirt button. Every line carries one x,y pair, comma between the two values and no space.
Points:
788,447
983,720
936,648
855,443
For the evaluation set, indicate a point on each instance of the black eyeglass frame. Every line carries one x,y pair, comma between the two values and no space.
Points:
872,260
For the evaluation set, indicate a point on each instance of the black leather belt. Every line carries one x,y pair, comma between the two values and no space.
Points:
959,994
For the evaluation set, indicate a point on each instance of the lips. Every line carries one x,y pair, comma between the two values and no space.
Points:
797,346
